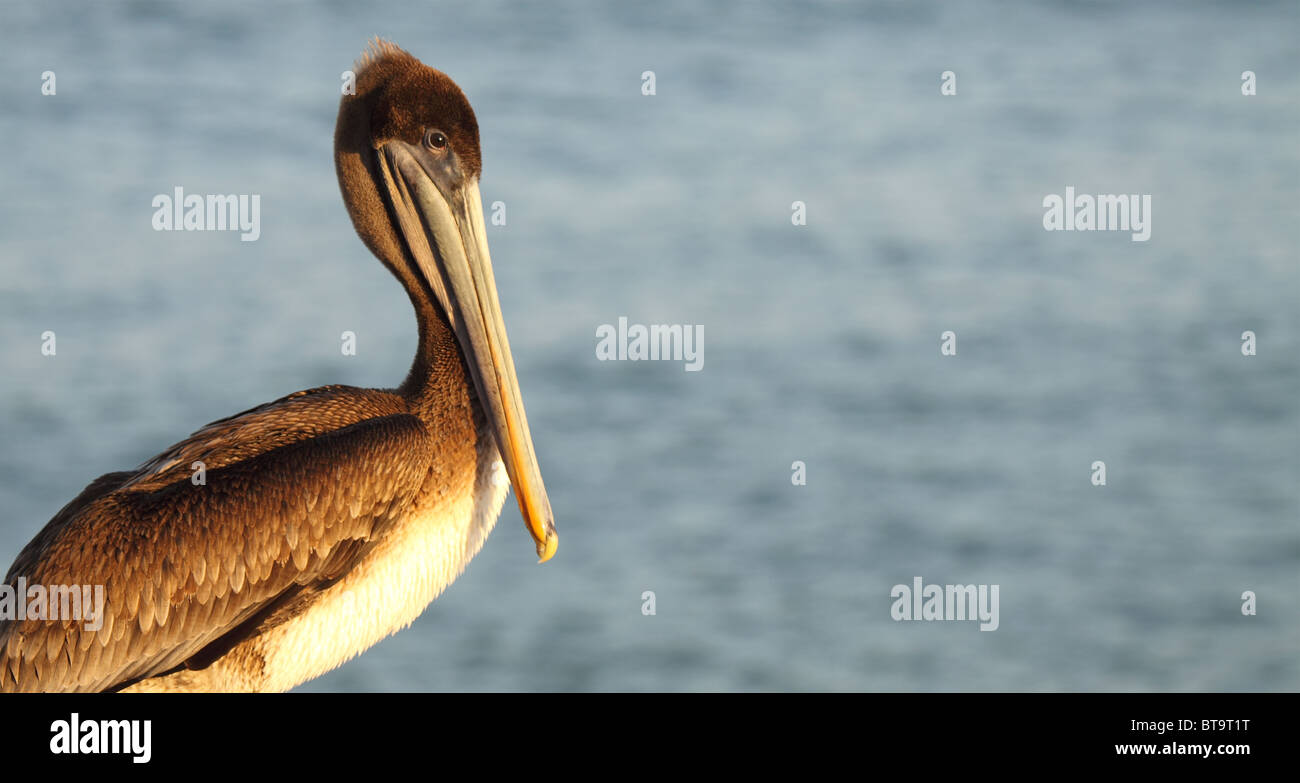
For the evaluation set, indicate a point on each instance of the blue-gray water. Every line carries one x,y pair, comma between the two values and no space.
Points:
821,342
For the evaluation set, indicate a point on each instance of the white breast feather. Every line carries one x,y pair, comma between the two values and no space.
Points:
392,586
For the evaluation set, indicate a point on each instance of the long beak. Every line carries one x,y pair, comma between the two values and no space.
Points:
442,221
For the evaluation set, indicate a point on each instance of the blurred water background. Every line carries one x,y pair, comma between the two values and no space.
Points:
821,342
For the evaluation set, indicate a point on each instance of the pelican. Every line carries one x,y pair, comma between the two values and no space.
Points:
328,519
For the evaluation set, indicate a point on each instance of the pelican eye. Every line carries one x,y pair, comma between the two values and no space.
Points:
435,140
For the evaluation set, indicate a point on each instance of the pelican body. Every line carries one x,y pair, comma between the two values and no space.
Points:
331,518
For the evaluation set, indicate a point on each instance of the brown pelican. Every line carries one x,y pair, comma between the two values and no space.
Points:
329,519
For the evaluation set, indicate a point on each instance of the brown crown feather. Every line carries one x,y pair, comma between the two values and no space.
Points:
411,97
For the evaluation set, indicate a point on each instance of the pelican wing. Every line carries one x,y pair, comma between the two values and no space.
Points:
288,497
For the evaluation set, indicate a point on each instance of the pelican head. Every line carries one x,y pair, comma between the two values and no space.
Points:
408,160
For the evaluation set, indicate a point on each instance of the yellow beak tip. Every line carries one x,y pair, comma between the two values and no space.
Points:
546,548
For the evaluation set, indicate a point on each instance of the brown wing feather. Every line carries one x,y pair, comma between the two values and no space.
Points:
295,491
